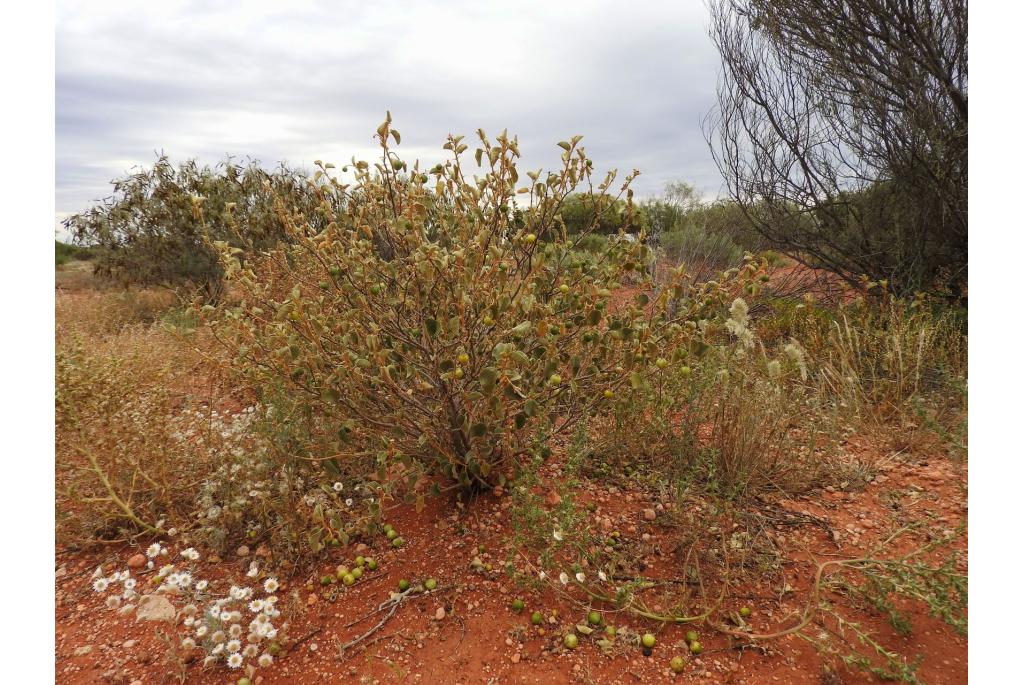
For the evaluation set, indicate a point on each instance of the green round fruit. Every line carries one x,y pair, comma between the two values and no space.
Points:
244,681
571,641
360,561
326,580
594,618
431,584
459,373
696,647
518,605
341,571
371,564
745,612
391,533
349,579
357,572
403,585
274,649
661,362
610,631
691,636
536,618
648,641
387,526
530,238
677,664
555,379
563,288
397,542
463,358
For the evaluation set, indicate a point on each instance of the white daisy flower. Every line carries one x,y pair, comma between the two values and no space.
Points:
188,644
153,550
113,601
215,611
270,585
100,584
217,649
601,575
191,554
256,606
348,502
219,636
271,634
201,585
202,630
265,660
580,577
235,661
233,646
250,651
564,577
254,571
235,630
130,584
338,487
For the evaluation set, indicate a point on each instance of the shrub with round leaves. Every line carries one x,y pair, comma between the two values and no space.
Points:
428,324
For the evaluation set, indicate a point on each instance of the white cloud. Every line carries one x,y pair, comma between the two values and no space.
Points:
298,81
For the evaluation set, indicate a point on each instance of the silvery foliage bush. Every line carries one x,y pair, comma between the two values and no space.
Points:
434,325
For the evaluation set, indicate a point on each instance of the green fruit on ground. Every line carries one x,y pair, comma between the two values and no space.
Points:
691,636
661,362
244,681
648,640
536,618
608,394
326,580
360,561
371,564
594,618
459,373
431,584
403,585
274,649
571,641
348,579
745,612
463,358
357,572
518,605
563,288
530,238
677,664
397,542
610,631
696,647
341,571
555,379
391,533
387,527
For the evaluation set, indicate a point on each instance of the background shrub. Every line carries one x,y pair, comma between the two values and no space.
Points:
157,226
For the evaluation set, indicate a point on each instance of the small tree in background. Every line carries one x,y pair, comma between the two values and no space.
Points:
841,130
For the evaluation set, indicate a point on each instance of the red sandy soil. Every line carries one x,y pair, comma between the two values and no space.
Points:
481,640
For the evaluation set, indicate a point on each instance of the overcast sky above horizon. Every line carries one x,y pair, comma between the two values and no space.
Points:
304,80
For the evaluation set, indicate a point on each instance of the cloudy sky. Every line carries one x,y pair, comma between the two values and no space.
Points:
305,80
